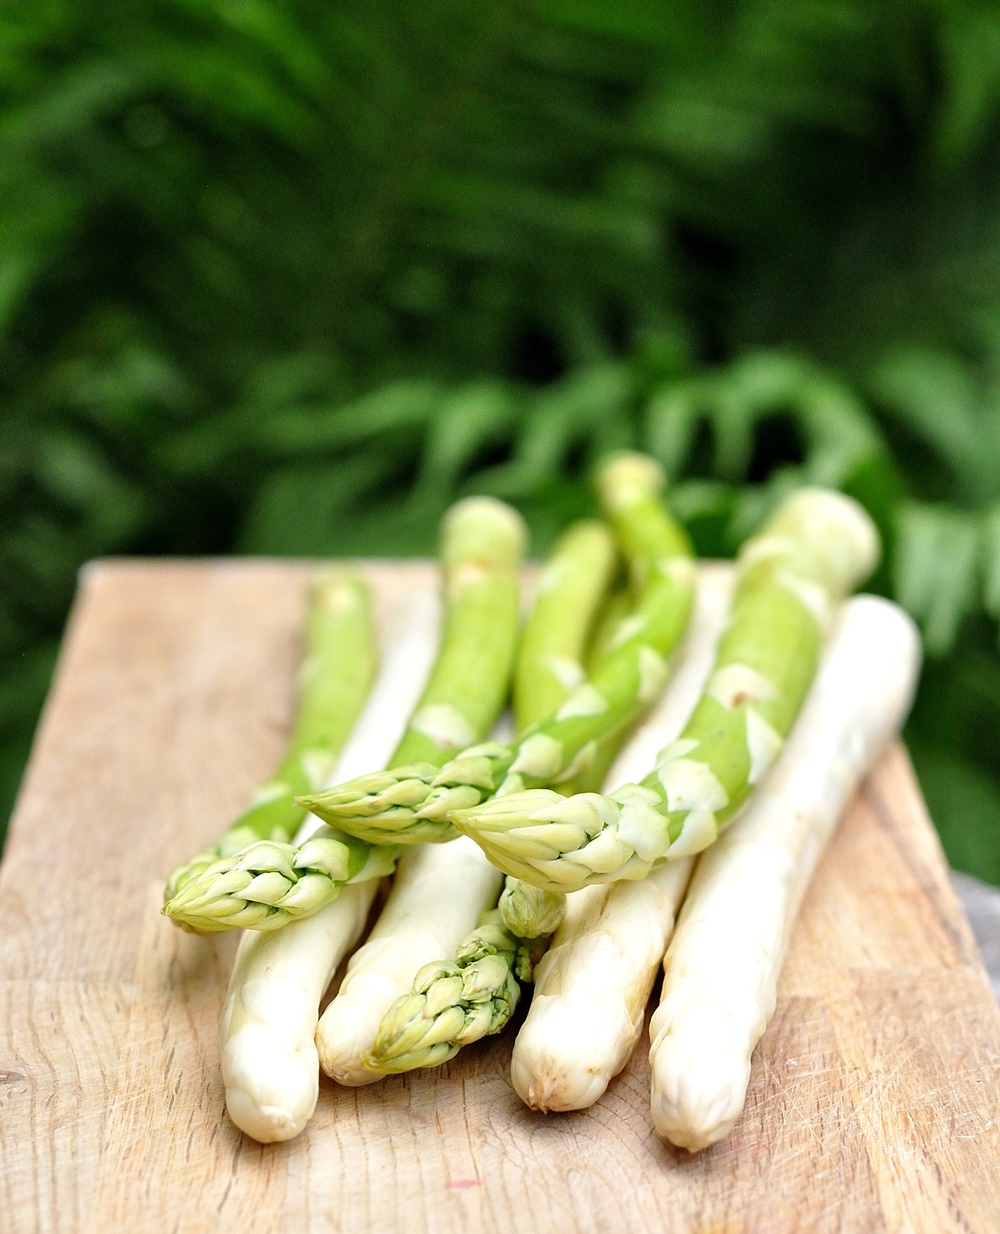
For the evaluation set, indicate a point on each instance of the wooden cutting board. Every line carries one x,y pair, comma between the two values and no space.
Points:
874,1102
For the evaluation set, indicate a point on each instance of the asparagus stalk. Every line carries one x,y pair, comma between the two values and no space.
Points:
483,546
440,891
413,804
721,969
593,984
814,550
570,591
265,886
335,676
270,1064
569,597
602,641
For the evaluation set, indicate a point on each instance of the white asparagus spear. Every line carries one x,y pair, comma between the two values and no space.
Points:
592,985
269,1061
722,966
270,1064
437,896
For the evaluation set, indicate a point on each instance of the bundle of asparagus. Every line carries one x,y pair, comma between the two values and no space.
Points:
790,578
413,804
470,989
265,885
441,892
445,961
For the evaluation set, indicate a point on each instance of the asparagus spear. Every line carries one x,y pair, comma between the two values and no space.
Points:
482,550
790,576
569,593
412,804
593,984
266,885
335,676
569,596
570,588
440,891
722,966
270,1064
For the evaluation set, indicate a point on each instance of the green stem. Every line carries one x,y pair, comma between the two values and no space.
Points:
569,594
483,543
334,679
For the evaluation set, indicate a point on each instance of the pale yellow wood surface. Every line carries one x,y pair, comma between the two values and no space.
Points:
873,1106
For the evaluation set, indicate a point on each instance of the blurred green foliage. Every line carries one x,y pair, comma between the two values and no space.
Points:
285,277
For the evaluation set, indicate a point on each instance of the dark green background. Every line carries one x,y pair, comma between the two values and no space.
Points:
286,277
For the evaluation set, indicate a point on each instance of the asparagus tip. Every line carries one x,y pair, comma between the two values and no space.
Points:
626,477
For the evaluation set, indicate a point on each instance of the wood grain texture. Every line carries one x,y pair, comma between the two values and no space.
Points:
875,1096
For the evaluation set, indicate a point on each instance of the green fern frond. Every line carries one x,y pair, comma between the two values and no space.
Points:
937,557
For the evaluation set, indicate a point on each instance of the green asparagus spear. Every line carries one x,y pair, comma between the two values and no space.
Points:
569,597
268,884
817,547
602,641
336,673
482,549
413,804
264,886
454,1002
569,594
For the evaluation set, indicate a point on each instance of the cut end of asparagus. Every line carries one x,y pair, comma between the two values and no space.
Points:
834,528
266,1124
336,590
625,478
269,1094
483,529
